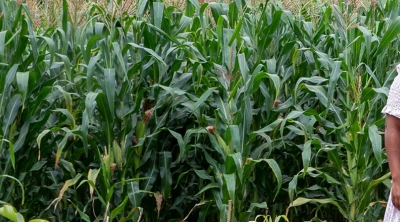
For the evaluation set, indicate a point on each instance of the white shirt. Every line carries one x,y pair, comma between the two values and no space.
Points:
393,103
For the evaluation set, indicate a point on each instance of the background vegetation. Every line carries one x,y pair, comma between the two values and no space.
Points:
204,111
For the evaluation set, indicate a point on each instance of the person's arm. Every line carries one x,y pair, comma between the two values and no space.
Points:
392,144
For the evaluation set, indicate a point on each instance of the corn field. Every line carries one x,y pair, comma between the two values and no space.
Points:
203,111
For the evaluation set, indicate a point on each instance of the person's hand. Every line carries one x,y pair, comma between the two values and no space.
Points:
396,194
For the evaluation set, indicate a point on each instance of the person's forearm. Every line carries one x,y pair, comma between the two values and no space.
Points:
392,144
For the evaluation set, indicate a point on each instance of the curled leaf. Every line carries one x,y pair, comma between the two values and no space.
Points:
67,184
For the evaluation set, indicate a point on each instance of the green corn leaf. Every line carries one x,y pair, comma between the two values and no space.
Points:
235,138
257,78
11,213
216,10
166,35
277,83
6,87
301,201
67,65
165,173
365,201
391,33
244,69
292,187
315,79
62,144
223,109
183,174
184,23
203,174
245,216
152,174
142,7
333,156
87,54
19,183
207,187
269,128
110,86
320,93
190,9
181,143
245,126
190,132
69,116
9,117
223,211
271,28
226,149
23,81
150,51
292,115
65,15
122,63
63,40
66,185
196,4
90,104
203,98
367,94
204,211
119,209
133,193
67,96
91,68
158,8
230,184
68,166
248,167
306,155
11,151
51,47
333,78
108,122
11,112
3,36
84,130
372,74
376,141
234,164
38,165
23,41
234,13
82,215
236,32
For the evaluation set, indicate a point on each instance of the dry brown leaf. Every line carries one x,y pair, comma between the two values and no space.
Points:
159,199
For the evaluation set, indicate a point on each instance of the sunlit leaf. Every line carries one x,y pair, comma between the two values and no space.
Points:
10,213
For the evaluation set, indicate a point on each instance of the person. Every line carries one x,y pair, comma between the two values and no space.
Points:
392,138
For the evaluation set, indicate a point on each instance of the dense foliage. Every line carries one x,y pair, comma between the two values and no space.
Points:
220,112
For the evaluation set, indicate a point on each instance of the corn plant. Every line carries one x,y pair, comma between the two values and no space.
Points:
349,90
218,111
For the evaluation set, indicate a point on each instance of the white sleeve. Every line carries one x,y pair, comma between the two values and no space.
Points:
393,103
